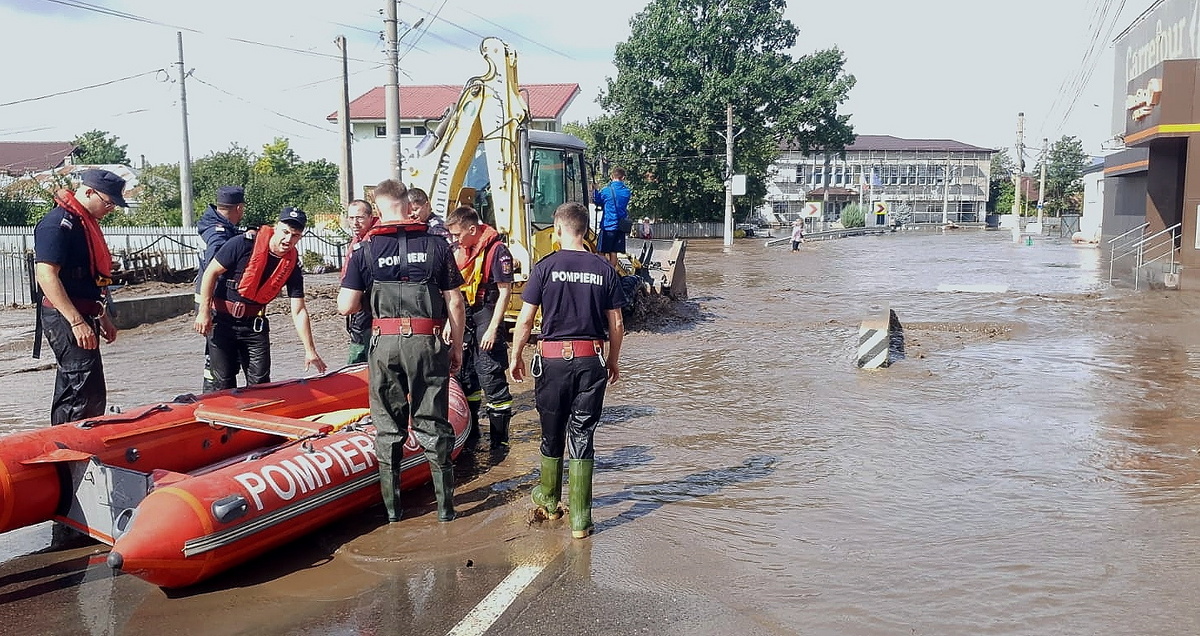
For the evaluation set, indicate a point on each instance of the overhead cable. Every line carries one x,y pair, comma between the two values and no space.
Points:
81,88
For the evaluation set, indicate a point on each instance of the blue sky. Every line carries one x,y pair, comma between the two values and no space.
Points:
266,68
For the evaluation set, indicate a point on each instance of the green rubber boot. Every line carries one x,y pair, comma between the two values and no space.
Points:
581,497
389,487
549,491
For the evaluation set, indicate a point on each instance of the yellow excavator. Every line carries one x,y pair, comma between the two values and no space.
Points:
483,153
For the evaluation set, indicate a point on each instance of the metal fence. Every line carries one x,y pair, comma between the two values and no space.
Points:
178,249
669,230
140,248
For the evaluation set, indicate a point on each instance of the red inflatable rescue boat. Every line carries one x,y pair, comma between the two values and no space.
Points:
183,491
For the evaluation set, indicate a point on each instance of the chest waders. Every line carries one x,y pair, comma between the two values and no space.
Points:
409,376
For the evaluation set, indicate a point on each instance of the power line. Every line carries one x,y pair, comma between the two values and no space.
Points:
338,77
1102,23
87,6
79,4
82,88
527,39
433,17
274,112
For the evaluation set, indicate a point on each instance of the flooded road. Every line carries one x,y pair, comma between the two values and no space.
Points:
1030,467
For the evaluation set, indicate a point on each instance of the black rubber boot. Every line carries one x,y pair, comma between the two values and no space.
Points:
498,422
581,497
472,443
547,493
443,489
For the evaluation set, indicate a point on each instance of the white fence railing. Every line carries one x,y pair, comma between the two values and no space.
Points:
173,248
179,249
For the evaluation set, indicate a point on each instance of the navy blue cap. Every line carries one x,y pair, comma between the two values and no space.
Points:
293,216
231,195
106,182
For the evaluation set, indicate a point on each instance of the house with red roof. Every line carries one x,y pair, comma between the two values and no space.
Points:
22,158
420,109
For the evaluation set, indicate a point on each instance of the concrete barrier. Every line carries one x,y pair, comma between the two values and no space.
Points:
880,340
128,313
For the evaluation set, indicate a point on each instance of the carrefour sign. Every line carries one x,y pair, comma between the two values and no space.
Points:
1142,102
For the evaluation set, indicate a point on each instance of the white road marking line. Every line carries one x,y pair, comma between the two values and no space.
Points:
484,615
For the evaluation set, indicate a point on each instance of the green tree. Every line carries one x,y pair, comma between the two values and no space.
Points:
273,180
684,63
1065,163
23,203
159,202
99,147
1000,186
277,158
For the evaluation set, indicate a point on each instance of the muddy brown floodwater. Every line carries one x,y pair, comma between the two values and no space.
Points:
1030,467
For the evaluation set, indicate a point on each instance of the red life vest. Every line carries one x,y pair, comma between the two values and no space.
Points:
475,263
252,286
101,258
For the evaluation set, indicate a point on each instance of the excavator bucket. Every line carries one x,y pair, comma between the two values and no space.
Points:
667,274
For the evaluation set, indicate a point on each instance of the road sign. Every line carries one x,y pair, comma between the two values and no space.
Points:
812,208
881,208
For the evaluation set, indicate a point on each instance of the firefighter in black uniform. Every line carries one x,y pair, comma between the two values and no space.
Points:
413,288
73,268
580,297
216,226
487,269
245,275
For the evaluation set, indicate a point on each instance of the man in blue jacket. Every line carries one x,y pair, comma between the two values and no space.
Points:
218,224
614,198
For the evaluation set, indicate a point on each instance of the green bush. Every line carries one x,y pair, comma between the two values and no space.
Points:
853,216
312,262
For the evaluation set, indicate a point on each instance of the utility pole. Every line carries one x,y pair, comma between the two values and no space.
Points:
391,91
185,166
825,189
1042,181
1020,165
946,195
728,175
346,174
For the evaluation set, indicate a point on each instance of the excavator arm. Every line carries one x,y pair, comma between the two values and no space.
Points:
490,111
482,145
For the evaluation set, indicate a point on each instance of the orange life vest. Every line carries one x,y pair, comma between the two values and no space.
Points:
252,286
475,263
101,258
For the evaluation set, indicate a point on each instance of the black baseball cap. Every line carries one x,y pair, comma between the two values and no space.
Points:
107,183
231,195
293,216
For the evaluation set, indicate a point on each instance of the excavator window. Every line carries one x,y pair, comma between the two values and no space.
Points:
575,188
477,178
549,184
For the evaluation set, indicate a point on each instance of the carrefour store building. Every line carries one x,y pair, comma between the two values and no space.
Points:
1152,187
